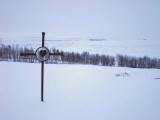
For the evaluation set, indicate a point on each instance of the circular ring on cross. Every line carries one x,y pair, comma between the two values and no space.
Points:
42,54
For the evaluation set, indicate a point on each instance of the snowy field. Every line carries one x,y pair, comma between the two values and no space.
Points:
78,92
111,46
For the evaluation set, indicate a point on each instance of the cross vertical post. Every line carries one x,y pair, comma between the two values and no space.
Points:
42,54
42,69
43,35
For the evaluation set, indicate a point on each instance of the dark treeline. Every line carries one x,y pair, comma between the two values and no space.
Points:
137,62
12,54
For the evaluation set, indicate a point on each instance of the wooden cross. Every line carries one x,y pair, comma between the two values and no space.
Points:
42,54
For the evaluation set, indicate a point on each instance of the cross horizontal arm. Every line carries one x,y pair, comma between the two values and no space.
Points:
56,53
27,54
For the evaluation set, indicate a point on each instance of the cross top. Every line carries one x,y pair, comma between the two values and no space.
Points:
42,54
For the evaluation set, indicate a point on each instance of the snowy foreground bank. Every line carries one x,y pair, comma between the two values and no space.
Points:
78,92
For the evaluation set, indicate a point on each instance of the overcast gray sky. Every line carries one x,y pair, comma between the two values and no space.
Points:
133,19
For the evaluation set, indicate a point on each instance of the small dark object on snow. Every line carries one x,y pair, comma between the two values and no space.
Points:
122,74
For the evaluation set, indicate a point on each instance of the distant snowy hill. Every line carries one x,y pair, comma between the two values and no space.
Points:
78,92
133,47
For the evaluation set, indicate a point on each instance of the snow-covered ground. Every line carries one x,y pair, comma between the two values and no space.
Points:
78,92
110,46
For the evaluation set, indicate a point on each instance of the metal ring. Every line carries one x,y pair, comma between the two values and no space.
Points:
40,57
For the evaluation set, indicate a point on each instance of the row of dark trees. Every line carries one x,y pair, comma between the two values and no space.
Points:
86,58
138,62
12,53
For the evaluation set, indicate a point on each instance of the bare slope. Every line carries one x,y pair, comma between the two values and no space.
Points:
132,47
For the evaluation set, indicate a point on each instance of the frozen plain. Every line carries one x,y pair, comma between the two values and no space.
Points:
78,92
